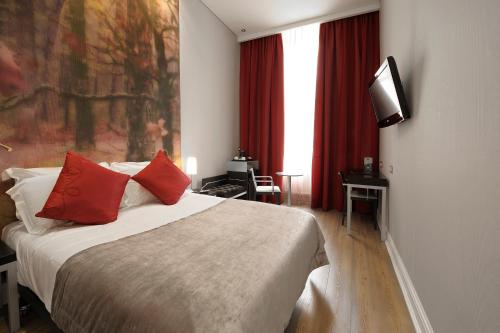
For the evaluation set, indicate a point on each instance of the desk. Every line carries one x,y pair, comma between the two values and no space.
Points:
373,181
289,175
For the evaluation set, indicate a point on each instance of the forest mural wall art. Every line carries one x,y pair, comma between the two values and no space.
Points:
100,77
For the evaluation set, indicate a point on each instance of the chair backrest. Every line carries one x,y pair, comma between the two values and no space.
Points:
342,180
253,178
342,177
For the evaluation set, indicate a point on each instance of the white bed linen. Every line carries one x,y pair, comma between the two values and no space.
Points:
39,257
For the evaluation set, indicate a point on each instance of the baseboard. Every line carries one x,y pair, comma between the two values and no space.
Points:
418,316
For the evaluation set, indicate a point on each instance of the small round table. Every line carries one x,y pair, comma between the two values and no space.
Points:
289,175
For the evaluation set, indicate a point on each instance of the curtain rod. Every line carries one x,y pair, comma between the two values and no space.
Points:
319,19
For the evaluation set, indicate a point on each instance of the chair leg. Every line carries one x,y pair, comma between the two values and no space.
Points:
374,208
277,197
344,212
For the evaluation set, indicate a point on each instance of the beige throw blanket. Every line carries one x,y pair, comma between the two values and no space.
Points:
236,267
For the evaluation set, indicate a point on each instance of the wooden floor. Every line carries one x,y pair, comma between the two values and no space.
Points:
357,292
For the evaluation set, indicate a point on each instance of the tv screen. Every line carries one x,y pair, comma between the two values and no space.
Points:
386,92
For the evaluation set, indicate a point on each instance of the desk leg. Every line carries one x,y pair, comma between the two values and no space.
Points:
289,190
383,229
349,208
13,297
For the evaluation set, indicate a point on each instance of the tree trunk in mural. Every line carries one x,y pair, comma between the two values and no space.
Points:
137,67
25,14
27,126
52,9
166,77
116,84
84,135
113,107
164,97
4,13
65,84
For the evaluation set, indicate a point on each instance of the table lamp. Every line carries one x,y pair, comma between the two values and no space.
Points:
191,168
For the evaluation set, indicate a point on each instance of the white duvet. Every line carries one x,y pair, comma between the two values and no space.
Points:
39,257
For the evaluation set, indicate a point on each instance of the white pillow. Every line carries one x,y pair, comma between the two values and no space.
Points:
135,194
130,168
19,174
30,196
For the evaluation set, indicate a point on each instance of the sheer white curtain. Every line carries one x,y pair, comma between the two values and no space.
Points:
300,46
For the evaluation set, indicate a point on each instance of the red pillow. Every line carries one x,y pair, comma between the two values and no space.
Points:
85,193
162,178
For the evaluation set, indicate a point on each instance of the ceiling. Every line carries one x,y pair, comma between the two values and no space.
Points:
263,17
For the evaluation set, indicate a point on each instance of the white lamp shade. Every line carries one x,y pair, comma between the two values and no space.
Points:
191,166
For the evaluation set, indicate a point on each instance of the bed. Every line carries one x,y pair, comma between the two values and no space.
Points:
205,264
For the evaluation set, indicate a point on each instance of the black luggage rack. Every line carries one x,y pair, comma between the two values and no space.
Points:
223,186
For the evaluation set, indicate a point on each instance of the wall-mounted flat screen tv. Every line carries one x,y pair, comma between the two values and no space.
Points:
388,98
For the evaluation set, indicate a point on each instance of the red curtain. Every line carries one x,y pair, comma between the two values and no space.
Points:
345,129
262,103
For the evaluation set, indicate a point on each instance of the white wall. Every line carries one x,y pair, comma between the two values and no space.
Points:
445,189
209,89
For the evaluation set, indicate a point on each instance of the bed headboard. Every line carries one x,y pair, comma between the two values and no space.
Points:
7,206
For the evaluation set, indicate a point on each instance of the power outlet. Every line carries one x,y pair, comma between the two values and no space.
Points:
391,169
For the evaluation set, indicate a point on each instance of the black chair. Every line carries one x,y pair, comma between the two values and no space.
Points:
366,195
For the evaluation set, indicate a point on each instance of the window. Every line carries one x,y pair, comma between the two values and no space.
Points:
300,46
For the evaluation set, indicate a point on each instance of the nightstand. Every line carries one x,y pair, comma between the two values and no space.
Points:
8,264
